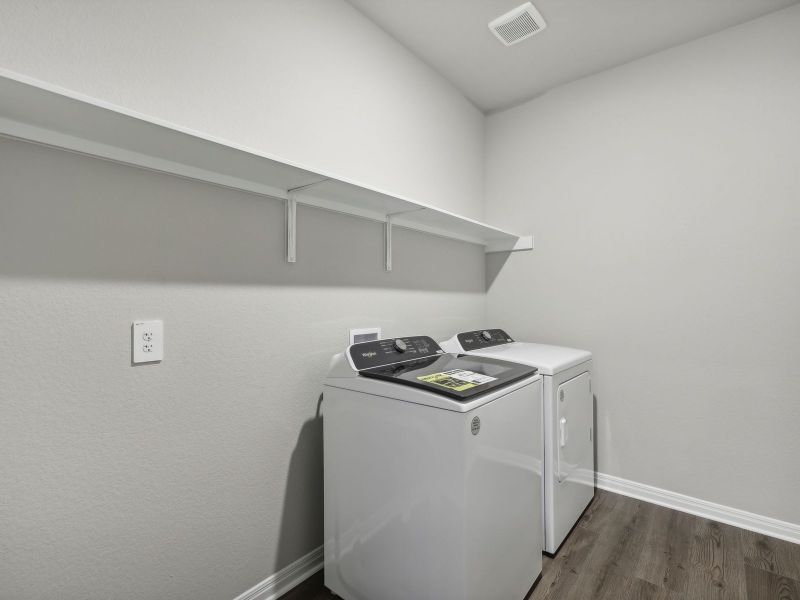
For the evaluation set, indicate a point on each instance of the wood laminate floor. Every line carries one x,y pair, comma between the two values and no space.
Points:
626,549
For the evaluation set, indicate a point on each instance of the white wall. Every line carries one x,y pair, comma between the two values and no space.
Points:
665,200
200,477
312,82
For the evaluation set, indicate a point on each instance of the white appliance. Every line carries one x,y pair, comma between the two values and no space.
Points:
568,419
432,476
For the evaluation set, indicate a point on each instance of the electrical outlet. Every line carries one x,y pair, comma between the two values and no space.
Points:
148,341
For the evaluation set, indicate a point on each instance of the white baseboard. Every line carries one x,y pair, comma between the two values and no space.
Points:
702,508
287,578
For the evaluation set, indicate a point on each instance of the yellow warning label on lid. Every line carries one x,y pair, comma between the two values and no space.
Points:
447,381
459,380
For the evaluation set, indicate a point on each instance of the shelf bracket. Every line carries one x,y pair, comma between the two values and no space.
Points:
291,227
291,218
387,240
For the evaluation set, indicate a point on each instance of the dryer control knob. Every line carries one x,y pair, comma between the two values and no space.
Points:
400,345
486,335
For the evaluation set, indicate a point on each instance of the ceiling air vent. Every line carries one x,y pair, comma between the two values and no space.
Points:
518,24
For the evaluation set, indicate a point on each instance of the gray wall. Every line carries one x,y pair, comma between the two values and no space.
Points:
665,199
200,476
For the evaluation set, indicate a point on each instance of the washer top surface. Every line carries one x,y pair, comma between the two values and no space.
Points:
496,343
415,369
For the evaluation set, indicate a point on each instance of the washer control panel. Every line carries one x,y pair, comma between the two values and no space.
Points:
483,338
393,350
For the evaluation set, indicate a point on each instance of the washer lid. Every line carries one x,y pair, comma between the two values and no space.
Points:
460,377
550,360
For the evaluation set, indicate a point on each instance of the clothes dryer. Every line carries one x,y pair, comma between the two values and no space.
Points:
568,418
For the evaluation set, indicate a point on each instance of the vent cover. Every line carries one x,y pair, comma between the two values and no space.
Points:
518,24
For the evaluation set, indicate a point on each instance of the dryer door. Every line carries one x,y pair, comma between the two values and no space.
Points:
574,430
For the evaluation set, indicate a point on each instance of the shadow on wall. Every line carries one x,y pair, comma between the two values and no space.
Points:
64,215
303,501
494,264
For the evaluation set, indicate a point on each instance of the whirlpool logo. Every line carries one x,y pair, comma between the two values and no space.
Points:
475,426
369,354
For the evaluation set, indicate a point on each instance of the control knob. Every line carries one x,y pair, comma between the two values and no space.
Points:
486,335
400,345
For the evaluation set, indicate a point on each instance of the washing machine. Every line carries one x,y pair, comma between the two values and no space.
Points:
432,477
568,419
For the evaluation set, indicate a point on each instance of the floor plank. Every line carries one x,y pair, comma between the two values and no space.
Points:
615,553
602,511
626,549
638,589
665,554
716,569
771,554
764,585
560,575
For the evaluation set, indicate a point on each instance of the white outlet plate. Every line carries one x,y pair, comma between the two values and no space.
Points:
147,341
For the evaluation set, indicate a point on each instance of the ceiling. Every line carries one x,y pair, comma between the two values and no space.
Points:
582,37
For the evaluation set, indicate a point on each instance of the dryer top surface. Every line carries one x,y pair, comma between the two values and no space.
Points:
550,360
